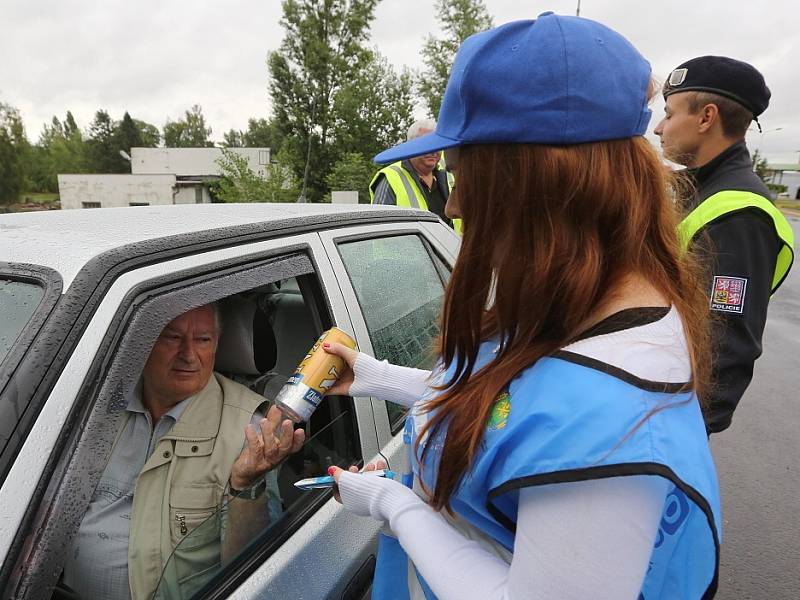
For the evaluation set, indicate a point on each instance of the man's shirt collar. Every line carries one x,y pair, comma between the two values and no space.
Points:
136,405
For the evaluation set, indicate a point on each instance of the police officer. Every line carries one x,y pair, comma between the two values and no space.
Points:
417,182
710,103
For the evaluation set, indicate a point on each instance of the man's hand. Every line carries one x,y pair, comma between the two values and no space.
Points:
263,450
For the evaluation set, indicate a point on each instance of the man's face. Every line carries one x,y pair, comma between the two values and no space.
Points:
427,162
678,130
182,358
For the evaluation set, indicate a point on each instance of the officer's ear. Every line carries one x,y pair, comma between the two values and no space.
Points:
709,117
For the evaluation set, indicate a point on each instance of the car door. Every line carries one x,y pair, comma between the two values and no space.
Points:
393,277
56,472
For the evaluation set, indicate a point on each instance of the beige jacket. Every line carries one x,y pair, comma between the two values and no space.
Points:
181,486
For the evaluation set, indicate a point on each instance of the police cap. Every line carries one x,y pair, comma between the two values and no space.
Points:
727,77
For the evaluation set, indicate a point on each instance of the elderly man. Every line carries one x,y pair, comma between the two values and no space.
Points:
416,182
178,456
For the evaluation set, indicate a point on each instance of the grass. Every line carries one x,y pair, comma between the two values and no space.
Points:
38,197
789,206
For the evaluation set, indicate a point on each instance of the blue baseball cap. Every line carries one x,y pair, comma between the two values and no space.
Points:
554,80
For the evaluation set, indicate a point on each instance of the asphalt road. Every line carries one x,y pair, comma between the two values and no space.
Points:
758,461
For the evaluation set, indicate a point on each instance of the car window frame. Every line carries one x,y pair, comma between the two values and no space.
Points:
435,247
40,559
50,281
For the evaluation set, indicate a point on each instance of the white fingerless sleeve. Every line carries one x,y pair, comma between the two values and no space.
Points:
588,539
383,380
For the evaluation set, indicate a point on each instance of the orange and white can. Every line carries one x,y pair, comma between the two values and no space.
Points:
314,376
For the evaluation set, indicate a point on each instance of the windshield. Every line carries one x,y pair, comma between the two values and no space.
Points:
18,301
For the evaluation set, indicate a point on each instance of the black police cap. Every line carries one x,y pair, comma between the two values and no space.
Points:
727,77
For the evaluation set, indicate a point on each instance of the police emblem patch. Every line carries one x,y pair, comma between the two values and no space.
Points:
677,77
500,411
727,295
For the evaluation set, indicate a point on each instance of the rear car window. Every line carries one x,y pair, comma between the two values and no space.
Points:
18,302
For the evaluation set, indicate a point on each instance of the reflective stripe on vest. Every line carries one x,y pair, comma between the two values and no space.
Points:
730,201
406,192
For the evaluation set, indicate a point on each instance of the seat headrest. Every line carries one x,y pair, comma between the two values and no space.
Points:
247,343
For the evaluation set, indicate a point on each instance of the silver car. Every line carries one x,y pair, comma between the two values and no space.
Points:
84,295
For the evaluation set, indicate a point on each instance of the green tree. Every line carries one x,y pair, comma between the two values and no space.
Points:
761,167
61,149
189,132
14,154
263,133
239,183
127,135
103,145
260,133
233,139
70,127
374,110
323,49
149,134
460,19
352,172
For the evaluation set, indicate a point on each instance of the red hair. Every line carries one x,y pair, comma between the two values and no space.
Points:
557,228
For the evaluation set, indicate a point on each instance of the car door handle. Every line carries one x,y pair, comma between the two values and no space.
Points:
361,581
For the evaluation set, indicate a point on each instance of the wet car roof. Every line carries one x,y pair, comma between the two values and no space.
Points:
65,240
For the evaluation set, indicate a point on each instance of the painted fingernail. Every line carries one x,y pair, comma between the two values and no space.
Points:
326,344
331,470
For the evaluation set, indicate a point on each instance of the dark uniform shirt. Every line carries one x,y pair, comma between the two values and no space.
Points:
435,198
741,250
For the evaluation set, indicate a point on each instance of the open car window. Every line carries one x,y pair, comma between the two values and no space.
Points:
208,544
273,503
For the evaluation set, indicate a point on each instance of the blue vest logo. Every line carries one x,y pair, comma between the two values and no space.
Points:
676,511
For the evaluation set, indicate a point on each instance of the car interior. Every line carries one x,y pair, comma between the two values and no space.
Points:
265,333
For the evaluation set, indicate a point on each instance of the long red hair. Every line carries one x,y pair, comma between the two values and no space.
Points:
550,232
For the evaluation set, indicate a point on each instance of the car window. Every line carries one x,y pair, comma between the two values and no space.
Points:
399,283
269,318
273,503
18,301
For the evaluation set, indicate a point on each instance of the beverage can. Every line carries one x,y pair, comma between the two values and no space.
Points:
314,376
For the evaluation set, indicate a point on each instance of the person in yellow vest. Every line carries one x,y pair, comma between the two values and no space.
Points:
418,182
190,441
710,103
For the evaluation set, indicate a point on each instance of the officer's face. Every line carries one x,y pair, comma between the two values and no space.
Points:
678,130
182,358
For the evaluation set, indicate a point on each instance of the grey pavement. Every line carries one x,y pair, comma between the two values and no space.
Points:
758,461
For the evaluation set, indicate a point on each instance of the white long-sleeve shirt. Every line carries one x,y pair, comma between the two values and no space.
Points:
589,539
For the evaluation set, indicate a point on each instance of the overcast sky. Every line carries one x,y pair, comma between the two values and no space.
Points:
155,58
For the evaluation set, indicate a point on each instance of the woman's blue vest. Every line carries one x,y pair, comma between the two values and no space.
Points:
572,418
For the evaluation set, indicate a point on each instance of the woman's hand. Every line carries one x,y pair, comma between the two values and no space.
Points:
337,472
372,495
345,380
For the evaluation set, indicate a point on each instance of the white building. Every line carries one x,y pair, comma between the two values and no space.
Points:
158,176
788,175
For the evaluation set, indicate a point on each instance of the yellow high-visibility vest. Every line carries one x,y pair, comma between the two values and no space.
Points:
406,191
729,201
